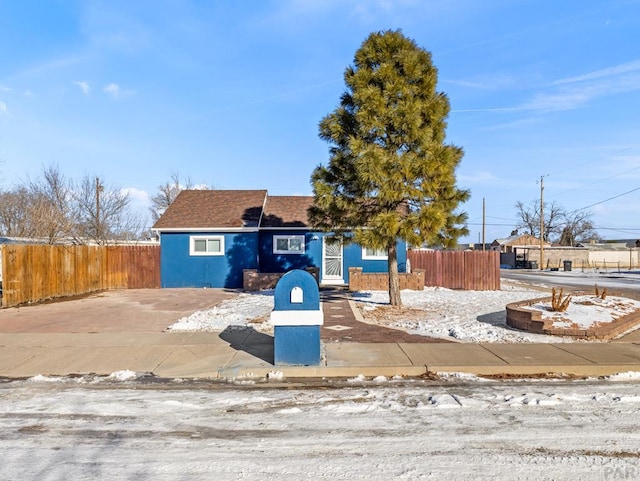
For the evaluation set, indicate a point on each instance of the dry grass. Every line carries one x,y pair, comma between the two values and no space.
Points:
558,303
385,315
602,295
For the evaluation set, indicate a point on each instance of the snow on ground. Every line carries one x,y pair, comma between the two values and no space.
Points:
468,316
367,429
245,309
587,311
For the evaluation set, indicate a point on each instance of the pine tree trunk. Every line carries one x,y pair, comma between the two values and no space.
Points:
394,280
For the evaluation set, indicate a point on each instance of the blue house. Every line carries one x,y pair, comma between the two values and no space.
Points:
209,237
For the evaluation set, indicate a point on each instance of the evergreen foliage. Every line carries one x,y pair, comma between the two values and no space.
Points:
390,173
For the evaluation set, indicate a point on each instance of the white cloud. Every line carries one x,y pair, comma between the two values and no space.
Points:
4,88
497,81
3,108
603,73
50,66
565,94
573,92
84,86
140,202
571,97
112,89
138,196
567,100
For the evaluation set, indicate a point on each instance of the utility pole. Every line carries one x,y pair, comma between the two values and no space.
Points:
484,211
98,190
541,222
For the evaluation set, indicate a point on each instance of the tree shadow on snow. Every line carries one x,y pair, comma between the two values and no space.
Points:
498,318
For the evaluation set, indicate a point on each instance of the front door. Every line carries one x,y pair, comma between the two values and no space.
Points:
332,269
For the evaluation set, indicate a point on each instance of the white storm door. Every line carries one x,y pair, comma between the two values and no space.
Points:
332,268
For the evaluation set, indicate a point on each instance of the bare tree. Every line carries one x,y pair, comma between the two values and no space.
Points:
168,192
102,211
14,213
565,228
578,227
52,206
529,219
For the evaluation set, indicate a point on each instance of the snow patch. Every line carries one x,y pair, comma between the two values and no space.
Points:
461,375
124,375
625,376
359,379
275,376
247,309
41,378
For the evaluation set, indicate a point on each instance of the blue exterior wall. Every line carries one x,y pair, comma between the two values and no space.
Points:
352,255
252,250
179,269
270,262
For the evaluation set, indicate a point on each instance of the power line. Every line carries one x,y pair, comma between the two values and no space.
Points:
605,200
604,157
597,181
617,228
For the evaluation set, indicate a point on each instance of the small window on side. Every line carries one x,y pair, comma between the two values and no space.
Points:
374,254
206,246
288,244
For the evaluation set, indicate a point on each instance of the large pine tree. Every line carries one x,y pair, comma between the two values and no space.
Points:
390,174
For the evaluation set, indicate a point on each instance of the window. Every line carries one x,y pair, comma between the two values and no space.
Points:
288,244
374,254
207,246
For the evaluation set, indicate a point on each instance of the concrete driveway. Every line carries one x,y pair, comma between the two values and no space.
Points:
132,310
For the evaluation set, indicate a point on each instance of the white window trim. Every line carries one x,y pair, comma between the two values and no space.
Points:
288,237
367,257
193,238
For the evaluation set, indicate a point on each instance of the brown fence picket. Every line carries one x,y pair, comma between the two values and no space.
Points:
32,273
470,270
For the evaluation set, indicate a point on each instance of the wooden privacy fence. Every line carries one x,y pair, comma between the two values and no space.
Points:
32,273
470,270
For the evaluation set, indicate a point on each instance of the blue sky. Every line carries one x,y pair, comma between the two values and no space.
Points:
230,93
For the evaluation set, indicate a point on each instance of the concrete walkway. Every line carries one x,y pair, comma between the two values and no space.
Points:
244,352
237,353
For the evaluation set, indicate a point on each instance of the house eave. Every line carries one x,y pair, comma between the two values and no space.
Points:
284,227
206,229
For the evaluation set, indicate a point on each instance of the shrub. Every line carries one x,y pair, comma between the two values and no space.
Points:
558,304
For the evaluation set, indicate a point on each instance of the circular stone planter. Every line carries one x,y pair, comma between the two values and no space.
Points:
529,320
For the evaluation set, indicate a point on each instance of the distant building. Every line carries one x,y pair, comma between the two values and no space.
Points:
522,240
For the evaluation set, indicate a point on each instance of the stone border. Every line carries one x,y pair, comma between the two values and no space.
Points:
379,281
532,321
252,280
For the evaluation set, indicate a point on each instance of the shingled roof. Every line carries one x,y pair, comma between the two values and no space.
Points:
286,211
209,209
